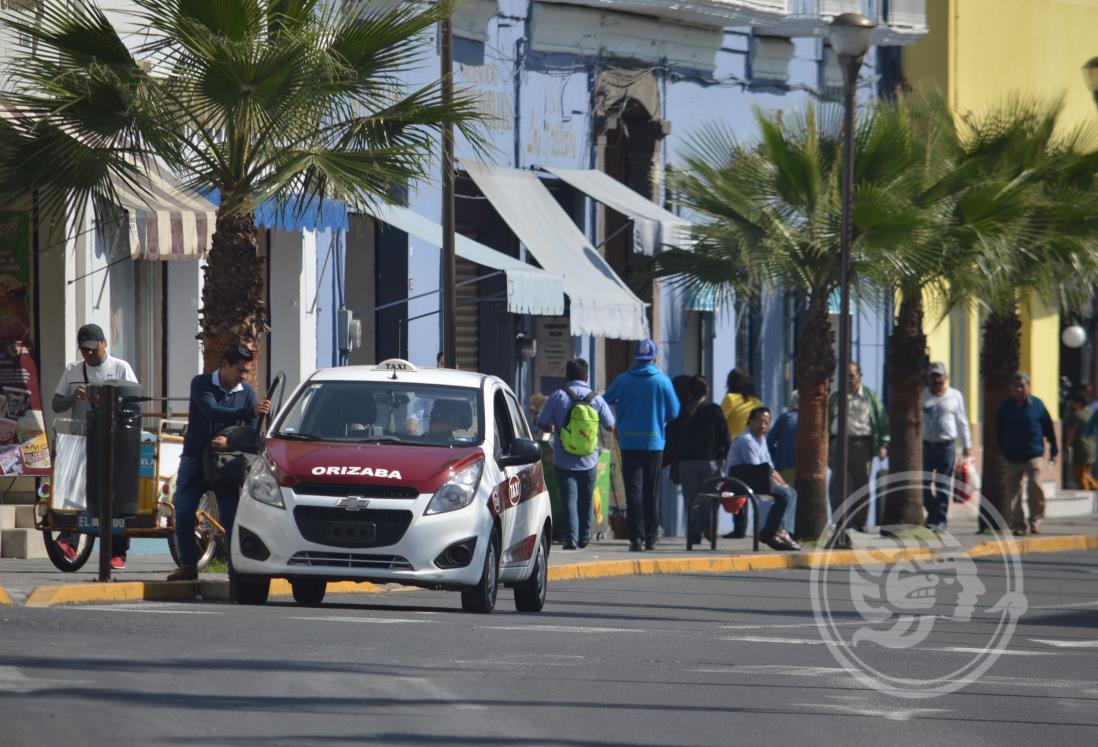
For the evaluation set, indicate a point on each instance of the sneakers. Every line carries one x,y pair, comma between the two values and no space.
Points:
568,545
581,544
184,573
1034,526
634,546
67,550
735,534
118,562
650,545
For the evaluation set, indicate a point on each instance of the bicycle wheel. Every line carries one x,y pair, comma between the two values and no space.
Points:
207,536
68,551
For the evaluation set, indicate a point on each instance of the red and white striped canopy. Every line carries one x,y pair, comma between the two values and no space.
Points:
164,220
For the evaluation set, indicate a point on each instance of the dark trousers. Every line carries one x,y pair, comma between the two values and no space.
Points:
641,472
859,458
940,458
189,489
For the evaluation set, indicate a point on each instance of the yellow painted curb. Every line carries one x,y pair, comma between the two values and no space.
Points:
4,598
129,591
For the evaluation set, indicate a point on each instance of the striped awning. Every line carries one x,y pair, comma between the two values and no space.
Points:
165,221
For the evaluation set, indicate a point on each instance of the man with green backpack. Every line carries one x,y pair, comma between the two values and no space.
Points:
573,414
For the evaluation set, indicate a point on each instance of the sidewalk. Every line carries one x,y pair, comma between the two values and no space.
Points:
38,583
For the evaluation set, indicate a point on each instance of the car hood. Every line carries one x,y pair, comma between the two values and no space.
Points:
424,468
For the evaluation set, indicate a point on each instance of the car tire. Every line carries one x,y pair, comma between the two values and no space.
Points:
530,594
250,589
309,592
482,597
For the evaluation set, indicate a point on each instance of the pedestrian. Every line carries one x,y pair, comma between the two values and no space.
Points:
218,400
782,440
573,415
672,513
739,401
1080,436
1023,426
944,421
96,366
868,435
703,445
644,403
750,448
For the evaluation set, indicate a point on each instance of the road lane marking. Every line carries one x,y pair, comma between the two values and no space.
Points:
560,628
1066,644
846,644
146,610
376,620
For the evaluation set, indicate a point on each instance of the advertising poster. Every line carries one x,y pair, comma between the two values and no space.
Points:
24,449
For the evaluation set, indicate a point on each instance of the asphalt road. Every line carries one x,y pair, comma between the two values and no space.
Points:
692,659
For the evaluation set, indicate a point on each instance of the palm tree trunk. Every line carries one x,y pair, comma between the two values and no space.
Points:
233,309
815,366
1000,354
907,364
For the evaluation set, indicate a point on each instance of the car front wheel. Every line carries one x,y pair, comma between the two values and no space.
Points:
308,592
482,597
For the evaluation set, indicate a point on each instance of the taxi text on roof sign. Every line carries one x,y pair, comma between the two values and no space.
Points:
395,364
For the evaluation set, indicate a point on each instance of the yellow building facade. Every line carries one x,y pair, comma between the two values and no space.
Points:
978,52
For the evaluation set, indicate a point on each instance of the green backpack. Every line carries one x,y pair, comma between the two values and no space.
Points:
580,435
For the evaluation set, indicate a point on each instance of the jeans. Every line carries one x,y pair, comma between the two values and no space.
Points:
640,472
692,473
577,487
940,458
189,489
785,498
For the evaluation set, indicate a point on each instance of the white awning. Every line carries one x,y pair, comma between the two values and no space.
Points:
654,225
601,303
165,221
529,289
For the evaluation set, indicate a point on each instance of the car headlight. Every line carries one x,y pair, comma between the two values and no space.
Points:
458,491
261,484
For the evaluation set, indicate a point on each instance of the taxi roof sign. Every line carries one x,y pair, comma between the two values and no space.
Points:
395,364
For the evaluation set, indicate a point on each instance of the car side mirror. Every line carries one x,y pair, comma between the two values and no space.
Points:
523,451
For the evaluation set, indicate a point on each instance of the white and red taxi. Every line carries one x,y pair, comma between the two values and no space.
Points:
389,473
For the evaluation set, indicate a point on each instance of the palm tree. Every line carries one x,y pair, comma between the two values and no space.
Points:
1033,180
770,218
284,100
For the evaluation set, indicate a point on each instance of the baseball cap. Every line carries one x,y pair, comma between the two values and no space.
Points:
89,336
645,351
936,369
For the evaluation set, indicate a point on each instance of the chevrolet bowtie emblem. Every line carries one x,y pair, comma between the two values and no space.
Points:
353,503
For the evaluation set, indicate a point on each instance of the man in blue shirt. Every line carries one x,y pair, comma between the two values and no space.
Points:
645,402
218,400
1023,427
750,448
575,474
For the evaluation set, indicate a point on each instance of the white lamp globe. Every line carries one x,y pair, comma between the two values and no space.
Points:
1074,336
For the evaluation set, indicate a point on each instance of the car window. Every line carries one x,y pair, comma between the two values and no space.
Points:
505,429
384,411
521,426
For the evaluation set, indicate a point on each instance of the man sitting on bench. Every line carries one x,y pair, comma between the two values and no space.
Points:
750,448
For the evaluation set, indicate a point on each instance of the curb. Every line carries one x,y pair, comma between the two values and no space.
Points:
4,598
174,591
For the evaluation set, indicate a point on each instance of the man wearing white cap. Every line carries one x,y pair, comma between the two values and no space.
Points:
95,366
944,421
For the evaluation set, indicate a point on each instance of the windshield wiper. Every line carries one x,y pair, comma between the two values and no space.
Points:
297,436
384,440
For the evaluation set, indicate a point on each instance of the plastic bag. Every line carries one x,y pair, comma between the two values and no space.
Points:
966,482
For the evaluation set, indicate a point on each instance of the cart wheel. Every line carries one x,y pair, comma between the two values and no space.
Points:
68,551
210,541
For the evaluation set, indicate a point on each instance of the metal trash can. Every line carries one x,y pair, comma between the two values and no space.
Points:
126,472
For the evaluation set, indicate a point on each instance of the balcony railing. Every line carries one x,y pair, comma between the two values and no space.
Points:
898,21
719,13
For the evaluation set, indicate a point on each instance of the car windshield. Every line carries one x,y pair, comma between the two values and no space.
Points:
387,412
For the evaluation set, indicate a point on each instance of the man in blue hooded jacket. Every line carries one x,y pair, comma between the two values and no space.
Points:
645,402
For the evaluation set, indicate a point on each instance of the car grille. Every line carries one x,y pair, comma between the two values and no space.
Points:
350,560
389,525
342,490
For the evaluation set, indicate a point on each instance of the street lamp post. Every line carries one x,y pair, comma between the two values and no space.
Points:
850,35
448,294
